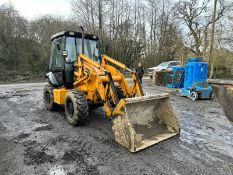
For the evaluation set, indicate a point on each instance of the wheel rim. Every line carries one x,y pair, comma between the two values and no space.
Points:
70,108
193,96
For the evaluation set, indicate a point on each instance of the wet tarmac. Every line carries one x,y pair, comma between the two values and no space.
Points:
36,141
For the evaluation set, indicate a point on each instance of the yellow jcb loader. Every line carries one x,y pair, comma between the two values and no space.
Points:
80,79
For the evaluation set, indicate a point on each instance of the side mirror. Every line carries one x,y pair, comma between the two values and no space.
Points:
64,54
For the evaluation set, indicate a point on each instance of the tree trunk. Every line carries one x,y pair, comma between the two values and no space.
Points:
211,59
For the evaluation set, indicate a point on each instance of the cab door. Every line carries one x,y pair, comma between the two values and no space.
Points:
57,61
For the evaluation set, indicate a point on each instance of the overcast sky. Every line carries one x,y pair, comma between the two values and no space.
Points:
34,8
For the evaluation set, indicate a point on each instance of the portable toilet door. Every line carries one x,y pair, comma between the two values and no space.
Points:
203,67
189,72
200,73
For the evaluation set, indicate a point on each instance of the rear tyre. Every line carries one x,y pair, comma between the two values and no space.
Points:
194,96
178,93
48,98
76,108
211,96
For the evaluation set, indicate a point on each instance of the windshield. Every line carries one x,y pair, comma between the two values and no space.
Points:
90,48
163,64
74,47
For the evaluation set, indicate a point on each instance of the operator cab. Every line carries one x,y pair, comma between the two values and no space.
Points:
66,46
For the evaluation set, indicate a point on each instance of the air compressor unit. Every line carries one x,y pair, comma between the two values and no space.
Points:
190,80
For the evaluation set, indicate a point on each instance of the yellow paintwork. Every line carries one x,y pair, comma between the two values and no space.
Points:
118,109
59,95
90,78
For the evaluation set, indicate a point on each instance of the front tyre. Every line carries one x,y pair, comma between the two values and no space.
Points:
76,108
48,98
194,96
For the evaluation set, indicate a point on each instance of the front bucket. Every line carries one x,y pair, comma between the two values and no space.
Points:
223,89
147,121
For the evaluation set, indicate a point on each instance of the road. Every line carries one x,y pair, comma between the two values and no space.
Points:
36,141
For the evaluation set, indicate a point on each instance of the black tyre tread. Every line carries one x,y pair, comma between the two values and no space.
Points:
197,96
53,106
82,108
81,101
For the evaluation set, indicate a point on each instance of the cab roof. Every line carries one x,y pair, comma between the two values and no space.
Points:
74,34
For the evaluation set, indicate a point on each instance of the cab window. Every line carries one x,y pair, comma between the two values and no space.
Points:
74,47
90,48
56,55
71,49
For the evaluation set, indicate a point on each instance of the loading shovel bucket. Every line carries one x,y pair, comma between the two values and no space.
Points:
223,89
147,121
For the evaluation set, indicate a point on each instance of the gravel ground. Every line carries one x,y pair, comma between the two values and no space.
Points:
36,141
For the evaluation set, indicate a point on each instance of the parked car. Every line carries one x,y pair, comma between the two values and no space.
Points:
163,66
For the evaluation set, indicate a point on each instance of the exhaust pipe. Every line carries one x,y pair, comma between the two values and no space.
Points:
82,30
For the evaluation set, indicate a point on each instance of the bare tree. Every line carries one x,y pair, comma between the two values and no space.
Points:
212,41
151,31
195,14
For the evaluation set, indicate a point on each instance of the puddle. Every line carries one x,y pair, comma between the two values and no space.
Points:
57,171
45,127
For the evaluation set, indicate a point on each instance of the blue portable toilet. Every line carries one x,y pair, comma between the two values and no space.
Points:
195,71
192,82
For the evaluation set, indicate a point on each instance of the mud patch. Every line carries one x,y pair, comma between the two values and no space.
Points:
86,163
19,95
34,157
22,136
6,162
22,91
204,146
72,155
29,143
58,139
2,127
